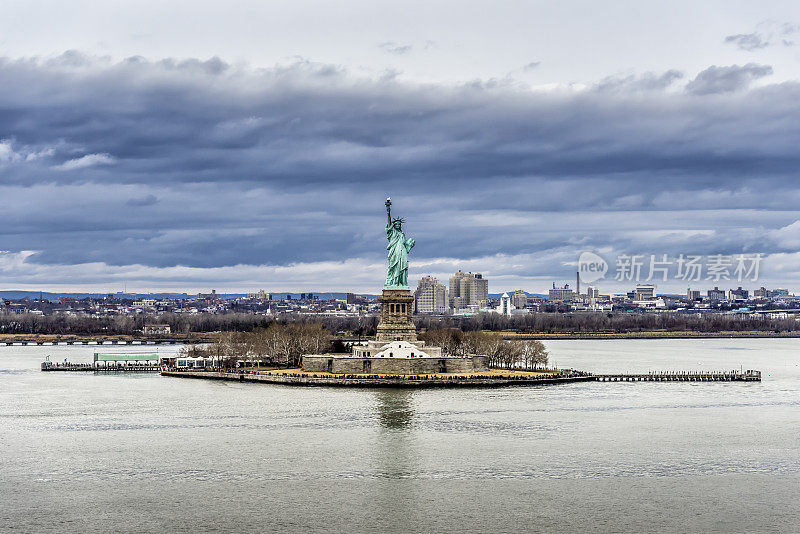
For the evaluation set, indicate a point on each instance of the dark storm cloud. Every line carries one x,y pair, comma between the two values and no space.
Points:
193,121
727,79
204,164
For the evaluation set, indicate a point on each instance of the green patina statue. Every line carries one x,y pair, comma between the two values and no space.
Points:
398,247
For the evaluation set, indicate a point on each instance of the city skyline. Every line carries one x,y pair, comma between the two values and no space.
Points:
174,162
543,285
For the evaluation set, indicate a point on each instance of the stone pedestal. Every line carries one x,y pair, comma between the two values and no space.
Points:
388,354
396,323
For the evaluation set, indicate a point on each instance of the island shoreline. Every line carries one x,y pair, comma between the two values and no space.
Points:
398,381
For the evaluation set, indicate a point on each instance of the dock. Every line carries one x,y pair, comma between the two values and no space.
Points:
684,376
101,341
91,367
139,362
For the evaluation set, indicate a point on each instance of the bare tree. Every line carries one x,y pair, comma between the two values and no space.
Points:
501,353
534,354
447,338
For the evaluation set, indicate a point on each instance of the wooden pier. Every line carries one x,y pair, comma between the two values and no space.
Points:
684,376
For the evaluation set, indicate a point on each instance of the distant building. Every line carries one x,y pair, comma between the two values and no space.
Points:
692,294
738,294
716,294
779,292
761,292
644,292
260,295
430,296
208,296
534,301
592,292
506,305
156,329
561,294
519,299
351,298
468,290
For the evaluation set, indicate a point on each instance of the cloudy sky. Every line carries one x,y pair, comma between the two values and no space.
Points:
246,144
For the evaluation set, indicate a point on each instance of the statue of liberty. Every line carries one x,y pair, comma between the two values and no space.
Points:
398,247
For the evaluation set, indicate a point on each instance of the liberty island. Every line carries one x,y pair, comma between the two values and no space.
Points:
396,350
396,357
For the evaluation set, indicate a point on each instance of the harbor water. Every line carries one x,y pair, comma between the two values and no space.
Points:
137,452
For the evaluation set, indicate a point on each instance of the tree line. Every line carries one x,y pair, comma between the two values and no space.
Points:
532,323
180,324
277,344
516,353
284,345
617,323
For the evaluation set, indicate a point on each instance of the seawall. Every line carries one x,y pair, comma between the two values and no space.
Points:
305,379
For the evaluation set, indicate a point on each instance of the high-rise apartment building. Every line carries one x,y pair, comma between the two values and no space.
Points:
430,296
716,294
519,299
468,289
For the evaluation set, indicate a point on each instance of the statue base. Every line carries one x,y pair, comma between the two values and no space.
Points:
396,350
396,322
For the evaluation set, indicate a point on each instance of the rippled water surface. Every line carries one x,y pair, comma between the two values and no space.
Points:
144,453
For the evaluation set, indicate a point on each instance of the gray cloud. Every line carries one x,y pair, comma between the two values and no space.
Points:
289,166
533,65
769,34
394,48
716,79
645,82
147,200
748,41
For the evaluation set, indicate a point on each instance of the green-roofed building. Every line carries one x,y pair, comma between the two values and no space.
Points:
125,358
